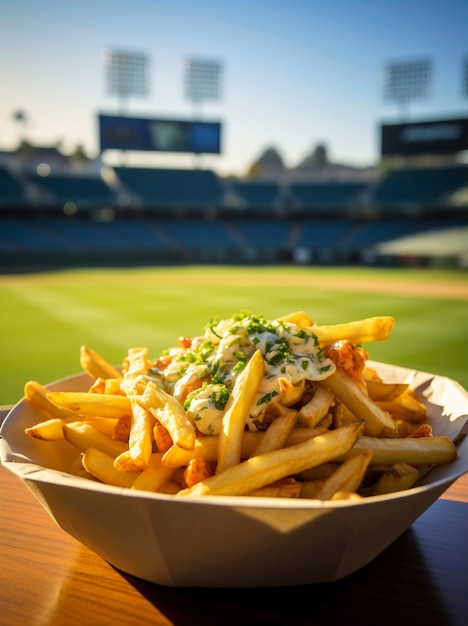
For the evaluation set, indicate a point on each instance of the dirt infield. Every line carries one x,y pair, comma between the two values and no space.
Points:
431,290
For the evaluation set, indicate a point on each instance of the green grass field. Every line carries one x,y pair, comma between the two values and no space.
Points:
46,317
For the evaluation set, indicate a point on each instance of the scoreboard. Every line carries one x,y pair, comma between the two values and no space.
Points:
159,135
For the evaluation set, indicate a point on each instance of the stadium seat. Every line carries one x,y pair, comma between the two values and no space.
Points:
172,188
12,192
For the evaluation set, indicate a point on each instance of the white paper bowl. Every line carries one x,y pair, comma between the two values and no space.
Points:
227,541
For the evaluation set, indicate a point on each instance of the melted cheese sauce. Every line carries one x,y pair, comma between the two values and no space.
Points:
218,355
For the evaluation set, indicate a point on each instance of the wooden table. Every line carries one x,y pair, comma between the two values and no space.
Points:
48,578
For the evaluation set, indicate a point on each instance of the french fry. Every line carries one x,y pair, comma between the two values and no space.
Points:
342,415
140,440
405,407
277,433
155,475
346,495
36,394
285,488
84,436
237,408
401,476
124,463
378,423
262,470
420,451
347,477
50,430
96,366
300,318
290,394
317,408
380,391
91,404
319,472
360,331
207,447
137,365
170,413
105,425
101,466
310,489
109,386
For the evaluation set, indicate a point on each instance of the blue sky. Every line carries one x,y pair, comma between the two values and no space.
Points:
296,72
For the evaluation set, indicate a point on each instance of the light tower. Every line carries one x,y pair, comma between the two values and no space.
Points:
126,75
407,81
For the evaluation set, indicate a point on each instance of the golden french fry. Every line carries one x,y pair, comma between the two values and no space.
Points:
36,394
300,318
400,476
405,407
346,495
382,391
360,331
137,365
414,451
50,430
310,489
91,404
236,411
319,472
317,408
170,413
101,466
369,373
109,386
345,389
262,470
342,415
289,394
155,475
204,448
105,425
347,477
84,436
277,433
96,366
207,447
125,463
140,440
285,488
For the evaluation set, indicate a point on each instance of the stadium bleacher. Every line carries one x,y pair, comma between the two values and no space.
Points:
81,191
179,216
172,188
12,192
257,195
310,196
424,187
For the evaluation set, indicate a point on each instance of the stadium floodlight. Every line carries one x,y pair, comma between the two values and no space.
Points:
202,78
126,73
406,81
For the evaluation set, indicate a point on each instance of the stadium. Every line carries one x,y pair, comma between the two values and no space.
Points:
132,215
412,209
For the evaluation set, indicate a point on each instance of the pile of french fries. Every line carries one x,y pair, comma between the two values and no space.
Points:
347,434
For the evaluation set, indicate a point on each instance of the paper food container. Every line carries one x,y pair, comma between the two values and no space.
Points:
216,541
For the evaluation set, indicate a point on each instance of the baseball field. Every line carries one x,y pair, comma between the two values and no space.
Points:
46,317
